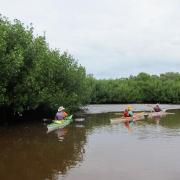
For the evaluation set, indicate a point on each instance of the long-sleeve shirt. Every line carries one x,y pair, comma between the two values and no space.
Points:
60,115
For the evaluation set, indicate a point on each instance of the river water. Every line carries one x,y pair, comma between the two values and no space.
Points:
95,148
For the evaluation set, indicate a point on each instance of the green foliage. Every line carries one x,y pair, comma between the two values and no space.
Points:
143,88
32,74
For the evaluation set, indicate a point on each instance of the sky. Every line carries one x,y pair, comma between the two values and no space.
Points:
110,38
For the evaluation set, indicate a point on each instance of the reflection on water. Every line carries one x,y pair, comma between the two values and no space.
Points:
29,153
61,133
129,125
147,149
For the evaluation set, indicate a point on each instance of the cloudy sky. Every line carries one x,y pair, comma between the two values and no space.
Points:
111,38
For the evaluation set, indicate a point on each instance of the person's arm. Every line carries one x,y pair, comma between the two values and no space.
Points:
131,113
65,114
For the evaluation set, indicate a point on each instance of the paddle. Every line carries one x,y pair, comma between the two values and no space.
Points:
47,120
119,113
138,115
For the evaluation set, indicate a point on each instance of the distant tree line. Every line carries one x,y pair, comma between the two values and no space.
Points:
33,75
143,88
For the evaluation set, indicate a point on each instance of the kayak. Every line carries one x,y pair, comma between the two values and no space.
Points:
157,114
56,124
139,116
136,117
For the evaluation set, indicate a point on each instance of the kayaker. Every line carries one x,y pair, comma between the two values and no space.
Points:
157,108
61,114
128,112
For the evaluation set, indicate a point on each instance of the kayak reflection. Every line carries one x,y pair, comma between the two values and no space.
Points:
61,133
129,125
157,116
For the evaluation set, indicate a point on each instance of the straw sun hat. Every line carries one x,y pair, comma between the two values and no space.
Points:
61,108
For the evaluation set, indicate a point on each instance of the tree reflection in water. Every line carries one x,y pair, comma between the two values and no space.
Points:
27,152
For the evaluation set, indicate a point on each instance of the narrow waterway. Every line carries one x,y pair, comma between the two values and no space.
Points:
95,148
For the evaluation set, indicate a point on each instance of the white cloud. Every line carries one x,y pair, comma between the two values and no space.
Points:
110,38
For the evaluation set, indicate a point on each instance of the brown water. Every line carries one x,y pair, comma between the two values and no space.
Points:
93,149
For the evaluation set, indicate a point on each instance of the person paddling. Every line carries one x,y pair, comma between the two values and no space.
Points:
61,114
157,108
128,112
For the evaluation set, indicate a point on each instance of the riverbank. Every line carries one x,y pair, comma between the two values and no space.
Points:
106,108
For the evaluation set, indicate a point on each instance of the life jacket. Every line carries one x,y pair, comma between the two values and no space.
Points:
126,114
130,113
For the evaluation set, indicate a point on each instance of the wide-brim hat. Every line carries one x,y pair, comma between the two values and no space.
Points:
61,108
129,107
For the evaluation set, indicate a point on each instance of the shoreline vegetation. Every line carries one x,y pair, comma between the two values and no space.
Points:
36,80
